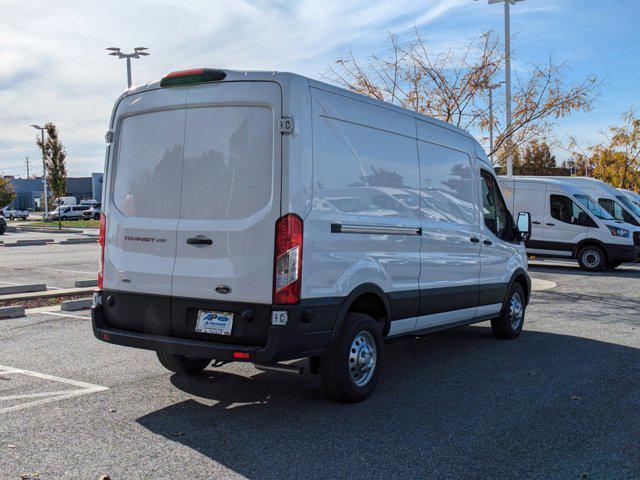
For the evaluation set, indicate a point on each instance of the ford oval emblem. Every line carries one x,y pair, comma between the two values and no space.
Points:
223,289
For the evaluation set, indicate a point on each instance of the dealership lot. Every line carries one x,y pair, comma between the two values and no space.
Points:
559,402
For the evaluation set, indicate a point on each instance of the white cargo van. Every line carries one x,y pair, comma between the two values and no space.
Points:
567,222
263,217
631,195
615,203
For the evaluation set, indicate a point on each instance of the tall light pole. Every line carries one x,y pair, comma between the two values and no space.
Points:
44,169
137,53
491,89
507,72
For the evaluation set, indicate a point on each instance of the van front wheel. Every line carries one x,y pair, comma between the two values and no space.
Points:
511,320
351,367
591,258
182,364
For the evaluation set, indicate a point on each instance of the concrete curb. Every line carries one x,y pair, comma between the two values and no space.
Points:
86,283
539,285
48,229
29,243
49,293
73,241
11,312
73,305
35,287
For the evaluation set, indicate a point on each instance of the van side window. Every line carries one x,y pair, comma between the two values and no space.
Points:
614,209
495,213
567,211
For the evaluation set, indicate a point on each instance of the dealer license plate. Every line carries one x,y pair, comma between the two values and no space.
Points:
215,323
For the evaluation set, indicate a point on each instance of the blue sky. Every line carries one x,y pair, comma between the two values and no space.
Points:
53,66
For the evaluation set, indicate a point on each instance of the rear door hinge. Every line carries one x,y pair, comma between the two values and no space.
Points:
285,125
108,137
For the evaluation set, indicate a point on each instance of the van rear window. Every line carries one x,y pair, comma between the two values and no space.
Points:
149,164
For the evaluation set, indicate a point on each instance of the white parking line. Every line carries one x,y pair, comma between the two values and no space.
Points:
58,314
47,396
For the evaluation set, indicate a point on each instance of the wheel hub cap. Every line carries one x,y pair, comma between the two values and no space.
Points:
362,358
516,311
591,259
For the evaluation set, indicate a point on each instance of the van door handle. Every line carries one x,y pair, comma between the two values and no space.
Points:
536,223
199,241
551,224
475,239
488,242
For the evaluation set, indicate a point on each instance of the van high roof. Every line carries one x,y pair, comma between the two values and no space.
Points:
287,78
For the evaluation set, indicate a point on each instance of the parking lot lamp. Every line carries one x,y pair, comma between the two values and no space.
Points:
137,53
507,71
44,169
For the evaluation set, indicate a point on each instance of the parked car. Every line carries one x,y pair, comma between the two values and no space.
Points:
92,213
3,225
71,212
197,280
567,222
14,214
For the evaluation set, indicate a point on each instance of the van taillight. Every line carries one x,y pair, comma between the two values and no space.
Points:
288,260
102,243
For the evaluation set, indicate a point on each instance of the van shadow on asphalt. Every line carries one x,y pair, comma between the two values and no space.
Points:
457,404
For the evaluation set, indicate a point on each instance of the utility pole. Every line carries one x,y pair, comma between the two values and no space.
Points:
491,88
137,53
44,170
507,74
27,162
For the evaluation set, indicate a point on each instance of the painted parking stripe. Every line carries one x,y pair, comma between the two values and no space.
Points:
58,314
82,388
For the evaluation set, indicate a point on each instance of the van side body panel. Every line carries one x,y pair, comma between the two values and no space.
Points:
365,176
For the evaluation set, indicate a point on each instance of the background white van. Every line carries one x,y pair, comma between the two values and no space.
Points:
261,216
613,201
568,222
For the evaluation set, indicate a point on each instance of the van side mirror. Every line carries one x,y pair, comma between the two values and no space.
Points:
524,225
583,219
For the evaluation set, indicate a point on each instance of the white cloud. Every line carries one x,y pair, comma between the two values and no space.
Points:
53,66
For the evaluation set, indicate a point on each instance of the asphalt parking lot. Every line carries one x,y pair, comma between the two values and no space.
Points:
561,401
59,266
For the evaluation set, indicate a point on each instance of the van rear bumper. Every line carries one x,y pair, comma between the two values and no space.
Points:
298,339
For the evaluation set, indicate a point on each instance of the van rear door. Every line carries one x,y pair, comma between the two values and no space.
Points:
230,197
144,192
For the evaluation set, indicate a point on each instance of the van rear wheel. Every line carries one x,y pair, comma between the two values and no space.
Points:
351,367
182,364
511,320
591,258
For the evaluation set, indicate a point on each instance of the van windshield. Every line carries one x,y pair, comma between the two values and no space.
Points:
593,207
630,205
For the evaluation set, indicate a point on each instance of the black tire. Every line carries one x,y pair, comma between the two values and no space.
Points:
11,217
2,229
511,320
613,265
182,364
361,332
592,258
96,216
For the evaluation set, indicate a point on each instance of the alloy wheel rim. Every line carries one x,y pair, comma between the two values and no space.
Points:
363,357
516,311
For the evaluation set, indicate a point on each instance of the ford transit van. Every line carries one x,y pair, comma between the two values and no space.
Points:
568,222
634,197
613,201
263,217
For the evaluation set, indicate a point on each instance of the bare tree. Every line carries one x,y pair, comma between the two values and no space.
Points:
453,86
